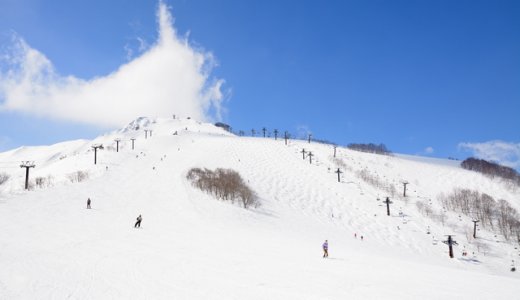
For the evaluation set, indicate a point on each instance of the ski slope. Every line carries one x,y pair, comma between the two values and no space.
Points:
192,246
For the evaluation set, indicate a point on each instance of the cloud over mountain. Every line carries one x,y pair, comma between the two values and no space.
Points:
170,77
504,153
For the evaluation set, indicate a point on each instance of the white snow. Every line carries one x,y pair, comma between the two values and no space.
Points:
192,246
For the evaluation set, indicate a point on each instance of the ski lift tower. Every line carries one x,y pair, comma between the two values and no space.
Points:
388,202
338,171
27,165
96,147
450,242
310,155
475,228
405,183
117,144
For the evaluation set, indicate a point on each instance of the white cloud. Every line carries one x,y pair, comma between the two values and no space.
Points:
136,45
143,45
429,150
129,52
504,153
170,77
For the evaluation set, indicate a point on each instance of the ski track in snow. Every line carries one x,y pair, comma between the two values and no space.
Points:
192,246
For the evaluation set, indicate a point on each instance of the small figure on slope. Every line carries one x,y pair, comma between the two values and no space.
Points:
325,249
138,223
88,203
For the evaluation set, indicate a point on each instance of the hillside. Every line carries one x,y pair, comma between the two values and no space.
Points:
192,246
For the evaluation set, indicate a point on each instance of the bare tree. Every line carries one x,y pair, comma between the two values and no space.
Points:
3,178
441,216
43,182
491,169
225,184
40,181
370,148
499,217
78,176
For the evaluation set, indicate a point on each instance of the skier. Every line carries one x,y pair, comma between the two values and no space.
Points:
88,203
325,249
138,223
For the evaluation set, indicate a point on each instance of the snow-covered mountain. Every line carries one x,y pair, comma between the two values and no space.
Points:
192,246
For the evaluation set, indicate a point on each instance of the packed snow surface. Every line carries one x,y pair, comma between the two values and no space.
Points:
193,246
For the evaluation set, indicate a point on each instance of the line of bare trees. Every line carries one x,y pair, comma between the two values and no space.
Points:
48,181
425,208
376,182
370,148
491,169
495,215
43,182
225,184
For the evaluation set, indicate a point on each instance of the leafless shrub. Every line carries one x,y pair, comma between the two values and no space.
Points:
507,219
390,188
225,184
420,206
30,185
3,178
376,182
468,233
42,182
49,180
515,229
441,217
340,163
78,176
428,210
481,246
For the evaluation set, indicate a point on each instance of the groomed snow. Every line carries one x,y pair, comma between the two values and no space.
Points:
192,246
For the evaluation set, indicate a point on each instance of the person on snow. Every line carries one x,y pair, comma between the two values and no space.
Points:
138,223
88,203
325,249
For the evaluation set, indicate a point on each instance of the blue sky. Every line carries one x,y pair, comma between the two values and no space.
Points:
435,78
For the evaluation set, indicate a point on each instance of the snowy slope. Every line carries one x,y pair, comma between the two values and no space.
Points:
192,246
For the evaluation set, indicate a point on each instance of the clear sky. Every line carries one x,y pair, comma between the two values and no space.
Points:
434,78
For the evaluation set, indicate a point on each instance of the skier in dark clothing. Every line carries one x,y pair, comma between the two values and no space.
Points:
88,203
138,223
326,249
